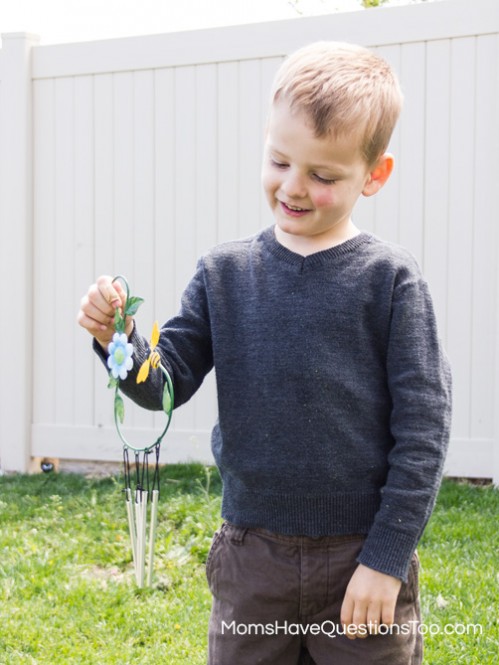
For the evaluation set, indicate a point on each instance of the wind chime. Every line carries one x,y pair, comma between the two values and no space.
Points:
141,485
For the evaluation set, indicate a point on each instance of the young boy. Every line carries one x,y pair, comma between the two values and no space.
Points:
333,390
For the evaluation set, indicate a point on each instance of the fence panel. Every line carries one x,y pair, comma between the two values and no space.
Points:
147,152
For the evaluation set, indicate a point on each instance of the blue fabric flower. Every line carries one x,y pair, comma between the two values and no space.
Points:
120,356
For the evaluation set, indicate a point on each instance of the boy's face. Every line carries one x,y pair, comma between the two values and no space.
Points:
311,183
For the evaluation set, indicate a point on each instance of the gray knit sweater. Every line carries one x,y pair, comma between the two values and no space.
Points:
333,390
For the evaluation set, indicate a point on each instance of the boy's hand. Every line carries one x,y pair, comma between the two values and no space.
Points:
369,601
97,309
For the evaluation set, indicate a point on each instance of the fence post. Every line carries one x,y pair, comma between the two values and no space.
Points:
16,252
495,351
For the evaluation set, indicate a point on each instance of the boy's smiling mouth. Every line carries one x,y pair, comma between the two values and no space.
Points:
293,210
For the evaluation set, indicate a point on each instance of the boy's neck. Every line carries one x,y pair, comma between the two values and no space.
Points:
307,245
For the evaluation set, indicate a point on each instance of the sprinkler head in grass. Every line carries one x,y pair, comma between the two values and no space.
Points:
46,466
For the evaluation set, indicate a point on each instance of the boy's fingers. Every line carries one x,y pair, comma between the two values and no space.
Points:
100,332
95,314
346,617
359,620
94,301
374,615
388,614
111,292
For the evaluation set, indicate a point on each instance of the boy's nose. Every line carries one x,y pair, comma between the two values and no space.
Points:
294,186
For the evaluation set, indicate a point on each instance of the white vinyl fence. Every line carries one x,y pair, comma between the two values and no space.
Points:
134,156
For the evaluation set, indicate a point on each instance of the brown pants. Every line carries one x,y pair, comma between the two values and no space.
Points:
277,601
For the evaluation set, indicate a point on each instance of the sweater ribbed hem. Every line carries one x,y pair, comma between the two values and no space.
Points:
300,515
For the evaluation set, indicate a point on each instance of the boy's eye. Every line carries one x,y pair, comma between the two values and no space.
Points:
283,165
324,181
278,165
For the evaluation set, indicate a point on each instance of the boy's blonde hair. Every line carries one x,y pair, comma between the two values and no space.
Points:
342,88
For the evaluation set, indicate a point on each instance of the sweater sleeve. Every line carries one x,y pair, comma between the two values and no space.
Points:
420,387
184,346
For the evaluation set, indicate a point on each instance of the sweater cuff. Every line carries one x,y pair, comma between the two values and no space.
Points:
388,551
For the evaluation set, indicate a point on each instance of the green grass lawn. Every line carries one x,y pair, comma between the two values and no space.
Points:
68,595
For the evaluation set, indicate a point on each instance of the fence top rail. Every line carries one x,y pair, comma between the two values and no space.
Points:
383,26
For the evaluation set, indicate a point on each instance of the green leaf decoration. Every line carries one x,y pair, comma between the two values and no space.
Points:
167,400
119,407
119,322
132,305
112,382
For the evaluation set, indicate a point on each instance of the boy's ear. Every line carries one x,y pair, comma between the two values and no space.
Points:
379,174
